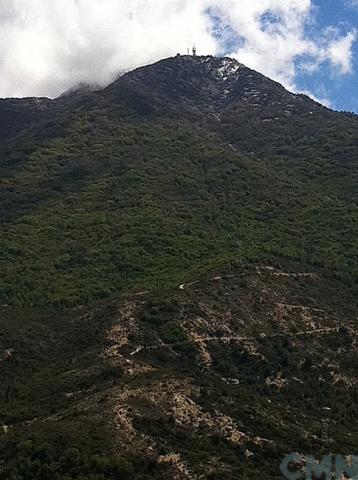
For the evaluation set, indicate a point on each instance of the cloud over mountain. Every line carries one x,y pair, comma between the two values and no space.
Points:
49,45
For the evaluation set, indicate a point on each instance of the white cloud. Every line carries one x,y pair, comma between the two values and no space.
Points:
340,52
282,46
46,46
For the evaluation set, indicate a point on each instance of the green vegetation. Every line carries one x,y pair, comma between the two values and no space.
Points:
122,206
36,462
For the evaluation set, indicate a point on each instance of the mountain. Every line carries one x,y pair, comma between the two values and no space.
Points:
178,286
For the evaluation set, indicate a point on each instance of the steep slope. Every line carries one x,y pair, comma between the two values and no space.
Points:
216,379
154,179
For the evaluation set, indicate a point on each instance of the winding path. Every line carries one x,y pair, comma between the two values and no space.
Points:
235,338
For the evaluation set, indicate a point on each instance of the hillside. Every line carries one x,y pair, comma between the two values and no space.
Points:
216,379
174,169
178,288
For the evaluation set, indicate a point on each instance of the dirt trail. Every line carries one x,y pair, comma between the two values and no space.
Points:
259,270
235,338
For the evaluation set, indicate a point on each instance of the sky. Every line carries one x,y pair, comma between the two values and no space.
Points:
310,46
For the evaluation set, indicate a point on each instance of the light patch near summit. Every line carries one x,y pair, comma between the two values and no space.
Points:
228,68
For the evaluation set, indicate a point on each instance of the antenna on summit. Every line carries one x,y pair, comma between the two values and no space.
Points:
194,51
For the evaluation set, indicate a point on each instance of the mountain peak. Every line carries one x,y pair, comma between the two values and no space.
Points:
221,67
201,85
